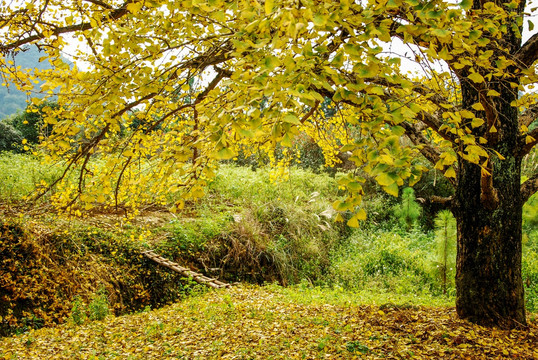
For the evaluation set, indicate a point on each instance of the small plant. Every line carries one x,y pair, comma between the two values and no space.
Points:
408,211
445,235
78,312
355,346
98,307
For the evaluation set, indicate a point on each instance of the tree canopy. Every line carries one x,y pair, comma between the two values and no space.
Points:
207,79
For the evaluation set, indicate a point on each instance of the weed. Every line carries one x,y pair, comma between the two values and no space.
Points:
78,312
98,307
355,346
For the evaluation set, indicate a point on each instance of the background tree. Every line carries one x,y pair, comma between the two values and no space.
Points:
10,138
30,123
408,211
267,67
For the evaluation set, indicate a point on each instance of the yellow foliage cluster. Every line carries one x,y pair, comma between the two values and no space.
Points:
44,269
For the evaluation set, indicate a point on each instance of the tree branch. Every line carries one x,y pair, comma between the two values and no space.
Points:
114,15
445,202
527,147
423,145
528,116
528,53
528,188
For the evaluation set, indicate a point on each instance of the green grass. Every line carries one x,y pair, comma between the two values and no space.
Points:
20,173
253,230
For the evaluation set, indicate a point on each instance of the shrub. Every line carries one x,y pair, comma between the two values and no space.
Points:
408,211
30,122
382,261
10,138
98,307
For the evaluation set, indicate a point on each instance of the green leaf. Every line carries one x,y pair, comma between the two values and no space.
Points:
320,20
384,179
225,154
292,119
466,4
286,140
271,62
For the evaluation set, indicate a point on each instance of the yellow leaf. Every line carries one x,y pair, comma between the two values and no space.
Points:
134,7
450,173
353,222
269,6
361,214
466,114
476,122
493,93
476,77
478,106
392,189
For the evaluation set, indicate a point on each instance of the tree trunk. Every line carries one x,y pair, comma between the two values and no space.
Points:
489,284
488,210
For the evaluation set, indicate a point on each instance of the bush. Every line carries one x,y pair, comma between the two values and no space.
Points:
10,138
30,123
383,261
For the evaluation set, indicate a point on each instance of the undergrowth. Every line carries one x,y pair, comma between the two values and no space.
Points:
246,229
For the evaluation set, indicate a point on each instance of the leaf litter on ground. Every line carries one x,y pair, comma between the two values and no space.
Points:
250,322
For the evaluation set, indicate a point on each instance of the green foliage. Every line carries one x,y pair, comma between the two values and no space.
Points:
386,261
98,307
530,218
78,312
30,122
13,100
408,211
10,138
446,237
530,279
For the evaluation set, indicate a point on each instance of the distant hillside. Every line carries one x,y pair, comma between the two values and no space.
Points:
11,99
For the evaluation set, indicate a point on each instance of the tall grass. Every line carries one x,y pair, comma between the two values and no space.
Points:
21,173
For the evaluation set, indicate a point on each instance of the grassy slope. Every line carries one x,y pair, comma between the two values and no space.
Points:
380,266
275,323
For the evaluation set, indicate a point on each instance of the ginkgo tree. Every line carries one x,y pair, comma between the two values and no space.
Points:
205,79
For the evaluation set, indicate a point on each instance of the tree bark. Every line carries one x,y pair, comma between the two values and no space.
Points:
489,284
488,210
